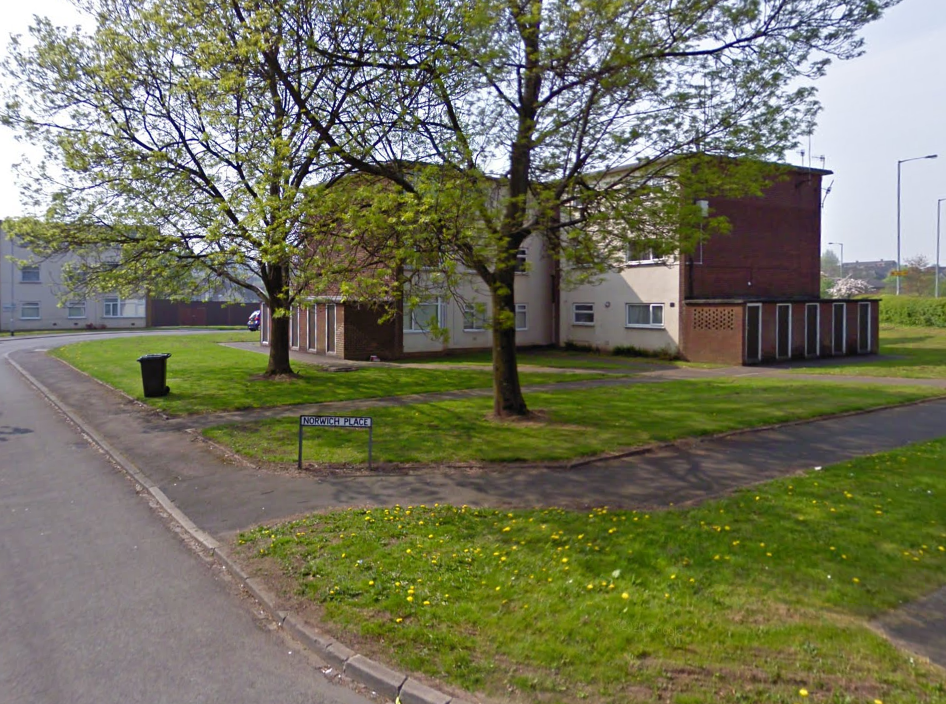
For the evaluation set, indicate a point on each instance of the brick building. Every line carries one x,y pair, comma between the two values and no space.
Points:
750,296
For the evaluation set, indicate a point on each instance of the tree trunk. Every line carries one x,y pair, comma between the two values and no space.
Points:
274,279
507,394
279,347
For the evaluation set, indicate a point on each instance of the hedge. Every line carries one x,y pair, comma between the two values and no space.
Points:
913,311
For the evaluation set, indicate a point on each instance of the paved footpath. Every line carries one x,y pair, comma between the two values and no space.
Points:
222,496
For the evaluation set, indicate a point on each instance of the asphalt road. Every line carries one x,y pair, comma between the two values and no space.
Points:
100,602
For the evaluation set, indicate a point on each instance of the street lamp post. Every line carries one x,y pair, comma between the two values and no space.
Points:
899,163
841,261
936,284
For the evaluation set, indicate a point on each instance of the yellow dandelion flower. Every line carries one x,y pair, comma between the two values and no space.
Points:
803,692
856,580
410,598
625,595
398,620
590,586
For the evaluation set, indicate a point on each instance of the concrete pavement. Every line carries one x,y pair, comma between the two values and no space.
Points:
221,495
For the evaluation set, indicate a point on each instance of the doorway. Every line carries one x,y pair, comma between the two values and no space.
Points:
753,333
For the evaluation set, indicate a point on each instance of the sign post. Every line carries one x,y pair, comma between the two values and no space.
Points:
349,422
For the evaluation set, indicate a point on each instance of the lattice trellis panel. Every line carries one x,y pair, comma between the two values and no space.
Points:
714,319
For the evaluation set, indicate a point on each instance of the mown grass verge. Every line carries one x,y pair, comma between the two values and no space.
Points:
906,352
752,598
206,377
570,423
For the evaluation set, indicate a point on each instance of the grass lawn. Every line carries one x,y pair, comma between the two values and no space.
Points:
575,423
205,376
753,598
919,353
556,358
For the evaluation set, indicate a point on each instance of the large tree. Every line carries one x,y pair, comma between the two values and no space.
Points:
593,122
174,155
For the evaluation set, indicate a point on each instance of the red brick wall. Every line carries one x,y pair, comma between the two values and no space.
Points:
773,250
713,333
708,337
364,335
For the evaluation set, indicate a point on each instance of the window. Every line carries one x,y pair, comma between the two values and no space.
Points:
644,315
583,313
522,316
474,317
522,258
116,307
640,251
29,310
423,317
75,309
29,275
112,307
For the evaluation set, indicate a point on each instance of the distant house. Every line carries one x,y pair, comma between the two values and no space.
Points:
31,297
747,297
874,273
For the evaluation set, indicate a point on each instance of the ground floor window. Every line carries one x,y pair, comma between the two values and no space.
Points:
75,309
474,317
522,316
423,317
29,310
583,313
117,307
644,315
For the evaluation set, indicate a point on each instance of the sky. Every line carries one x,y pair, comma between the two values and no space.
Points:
885,106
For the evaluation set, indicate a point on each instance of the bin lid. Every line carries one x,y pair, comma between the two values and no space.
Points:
163,355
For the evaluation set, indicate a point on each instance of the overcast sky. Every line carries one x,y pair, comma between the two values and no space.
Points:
887,105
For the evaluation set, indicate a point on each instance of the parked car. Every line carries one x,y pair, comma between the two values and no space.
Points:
253,323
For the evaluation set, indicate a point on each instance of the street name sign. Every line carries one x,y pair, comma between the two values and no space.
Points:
352,422
334,422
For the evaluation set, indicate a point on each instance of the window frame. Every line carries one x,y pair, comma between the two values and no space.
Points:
119,303
31,268
70,305
409,316
31,304
651,307
524,309
476,319
522,260
575,312
651,258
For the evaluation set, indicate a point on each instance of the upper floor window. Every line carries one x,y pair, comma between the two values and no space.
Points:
423,317
583,313
641,252
644,315
29,274
522,261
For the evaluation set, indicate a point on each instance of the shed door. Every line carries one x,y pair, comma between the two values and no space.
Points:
812,329
294,328
783,331
839,329
863,327
753,332
330,328
310,327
